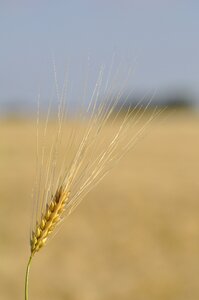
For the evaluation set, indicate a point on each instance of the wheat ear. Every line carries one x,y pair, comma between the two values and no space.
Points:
49,220
88,166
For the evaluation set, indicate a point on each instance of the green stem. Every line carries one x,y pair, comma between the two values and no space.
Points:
26,278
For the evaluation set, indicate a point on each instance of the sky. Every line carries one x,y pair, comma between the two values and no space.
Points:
158,39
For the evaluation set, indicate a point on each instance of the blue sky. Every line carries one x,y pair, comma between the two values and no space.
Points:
160,39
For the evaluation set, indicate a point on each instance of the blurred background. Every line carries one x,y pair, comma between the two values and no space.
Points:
136,236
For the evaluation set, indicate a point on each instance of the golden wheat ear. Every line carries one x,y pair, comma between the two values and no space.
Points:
90,156
49,220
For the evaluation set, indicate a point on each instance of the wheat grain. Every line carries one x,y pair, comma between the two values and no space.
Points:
49,220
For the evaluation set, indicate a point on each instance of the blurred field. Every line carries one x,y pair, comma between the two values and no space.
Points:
135,236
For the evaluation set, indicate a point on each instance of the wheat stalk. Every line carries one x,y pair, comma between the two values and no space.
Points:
57,196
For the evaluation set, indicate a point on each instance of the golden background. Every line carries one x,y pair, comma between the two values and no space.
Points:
135,236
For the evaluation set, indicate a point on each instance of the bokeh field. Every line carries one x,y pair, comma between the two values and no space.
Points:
134,237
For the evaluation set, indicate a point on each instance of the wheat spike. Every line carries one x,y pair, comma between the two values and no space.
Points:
49,220
89,156
88,166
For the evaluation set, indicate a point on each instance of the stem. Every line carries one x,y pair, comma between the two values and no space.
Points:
27,277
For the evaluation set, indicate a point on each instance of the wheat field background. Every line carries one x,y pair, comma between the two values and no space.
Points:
135,236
